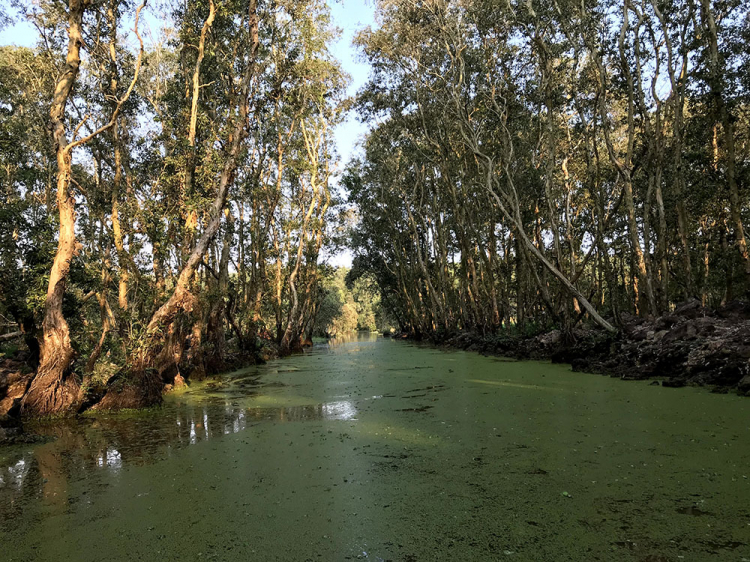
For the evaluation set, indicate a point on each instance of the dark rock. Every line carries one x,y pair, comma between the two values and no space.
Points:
705,326
737,310
673,383
690,309
580,365
640,335
562,355
665,322
631,320
681,332
692,346
658,336
550,338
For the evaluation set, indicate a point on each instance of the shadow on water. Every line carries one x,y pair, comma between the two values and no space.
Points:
75,448
363,447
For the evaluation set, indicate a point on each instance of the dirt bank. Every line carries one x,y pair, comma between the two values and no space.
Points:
15,379
110,388
693,345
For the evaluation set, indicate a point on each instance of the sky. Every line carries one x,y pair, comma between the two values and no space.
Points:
351,16
348,15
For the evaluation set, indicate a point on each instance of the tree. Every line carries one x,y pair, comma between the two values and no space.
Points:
547,163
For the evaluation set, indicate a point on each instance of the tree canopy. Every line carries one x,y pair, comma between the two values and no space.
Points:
541,163
163,197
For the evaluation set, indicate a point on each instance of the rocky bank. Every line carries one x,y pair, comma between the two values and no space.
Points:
693,345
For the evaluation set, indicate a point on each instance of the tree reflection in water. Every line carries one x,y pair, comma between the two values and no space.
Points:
80,447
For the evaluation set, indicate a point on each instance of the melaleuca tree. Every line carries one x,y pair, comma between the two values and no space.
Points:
188,180
552,161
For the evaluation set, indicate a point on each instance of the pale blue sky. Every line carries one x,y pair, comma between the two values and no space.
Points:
349,15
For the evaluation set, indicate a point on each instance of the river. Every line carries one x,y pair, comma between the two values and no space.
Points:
382,450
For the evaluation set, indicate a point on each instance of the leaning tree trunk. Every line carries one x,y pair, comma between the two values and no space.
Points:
515,218
182,299
52,390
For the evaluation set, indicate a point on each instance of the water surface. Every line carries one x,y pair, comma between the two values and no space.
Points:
381,450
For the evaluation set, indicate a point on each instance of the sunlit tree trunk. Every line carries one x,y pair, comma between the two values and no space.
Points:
53,389
182,298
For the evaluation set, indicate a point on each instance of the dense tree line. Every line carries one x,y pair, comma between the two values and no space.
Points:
163,192
350,301
540,163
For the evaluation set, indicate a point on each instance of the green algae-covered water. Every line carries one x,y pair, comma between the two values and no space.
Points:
379,450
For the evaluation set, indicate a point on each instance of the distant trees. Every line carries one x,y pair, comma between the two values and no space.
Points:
536,163
165,198
349,301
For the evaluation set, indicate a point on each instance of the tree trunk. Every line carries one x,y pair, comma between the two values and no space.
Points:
216,361
52,389
717,89
181,298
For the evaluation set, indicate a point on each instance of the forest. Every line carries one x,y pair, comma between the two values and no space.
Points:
171,184
333,279
160,200
541,162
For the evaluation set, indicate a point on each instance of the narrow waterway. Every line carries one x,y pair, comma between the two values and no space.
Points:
381,450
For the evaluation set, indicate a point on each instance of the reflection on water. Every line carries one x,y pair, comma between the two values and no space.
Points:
218,407
112,458
14,474
342,342
110,442
370,448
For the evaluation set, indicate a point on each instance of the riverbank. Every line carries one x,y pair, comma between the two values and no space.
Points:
330,454
694,345
109,390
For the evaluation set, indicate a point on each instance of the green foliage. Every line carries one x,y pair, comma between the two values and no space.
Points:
533,165
145,192
349,304
8,350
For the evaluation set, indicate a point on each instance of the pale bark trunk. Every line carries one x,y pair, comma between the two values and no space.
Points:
196,83
181,298
717,90
122,297
52,390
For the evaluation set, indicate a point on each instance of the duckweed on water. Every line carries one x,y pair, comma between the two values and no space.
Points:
380,450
